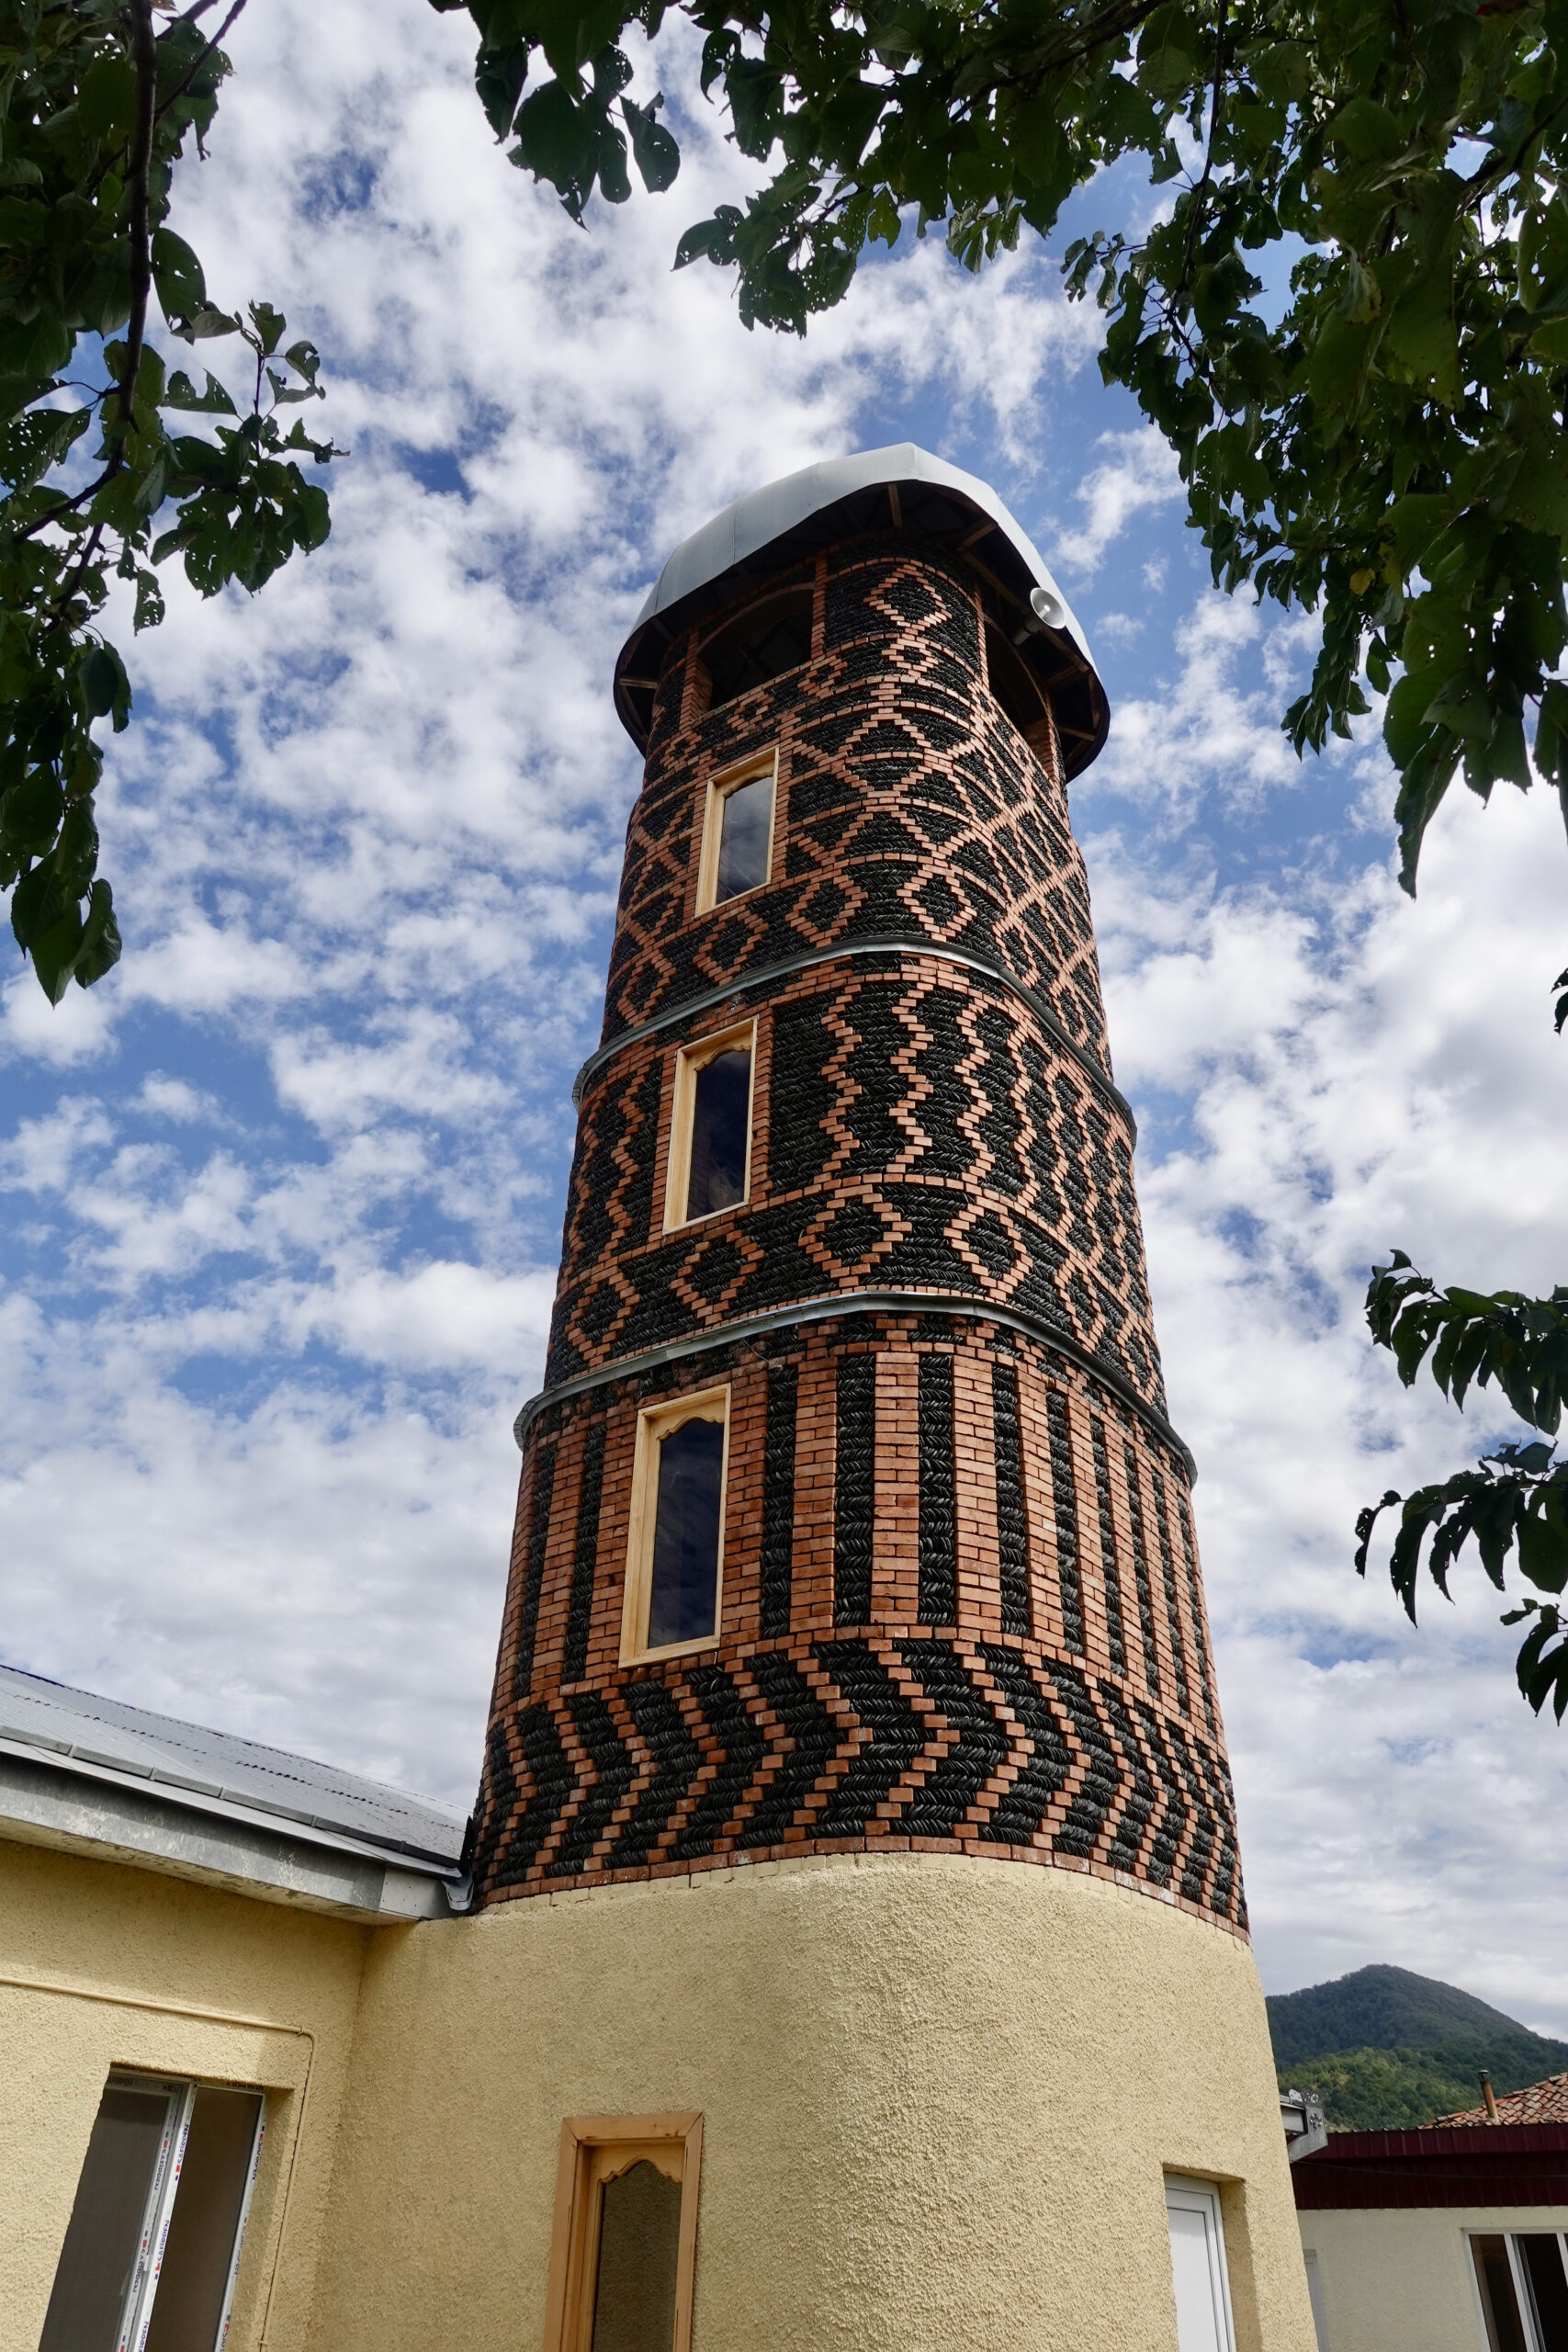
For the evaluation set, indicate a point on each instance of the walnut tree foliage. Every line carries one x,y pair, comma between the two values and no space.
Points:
98,100
1382,443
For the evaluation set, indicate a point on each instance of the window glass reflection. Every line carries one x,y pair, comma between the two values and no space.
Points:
639,2241
684,1584
746,818
721,1111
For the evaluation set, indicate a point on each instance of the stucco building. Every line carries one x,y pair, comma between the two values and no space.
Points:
849,1947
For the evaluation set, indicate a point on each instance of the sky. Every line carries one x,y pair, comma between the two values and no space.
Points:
280,1201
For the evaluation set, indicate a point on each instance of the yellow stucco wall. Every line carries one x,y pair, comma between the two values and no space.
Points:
1403,2282
939,2094
104,1965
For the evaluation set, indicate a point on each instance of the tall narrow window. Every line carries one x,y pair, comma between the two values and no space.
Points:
675,1551
153,2239
624,2245
710,1128
1198,2267
738,834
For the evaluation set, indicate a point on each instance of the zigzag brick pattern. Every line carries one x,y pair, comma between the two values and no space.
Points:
961,1608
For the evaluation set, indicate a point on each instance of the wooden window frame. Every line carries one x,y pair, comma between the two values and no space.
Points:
654,1423
682,1105
719,789
580,2184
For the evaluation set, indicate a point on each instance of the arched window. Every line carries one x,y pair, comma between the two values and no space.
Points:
1013,683
762,643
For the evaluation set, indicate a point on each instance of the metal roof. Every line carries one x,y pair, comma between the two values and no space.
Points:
903,488
186,1765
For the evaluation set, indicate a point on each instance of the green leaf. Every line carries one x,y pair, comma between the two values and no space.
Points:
654,151
105,98
177,275
212,399
1367,131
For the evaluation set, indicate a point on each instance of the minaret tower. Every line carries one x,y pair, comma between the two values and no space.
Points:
855,1650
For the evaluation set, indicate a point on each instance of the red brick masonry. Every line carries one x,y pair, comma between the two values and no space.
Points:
961,1608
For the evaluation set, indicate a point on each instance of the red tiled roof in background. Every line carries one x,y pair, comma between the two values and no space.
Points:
1543,2102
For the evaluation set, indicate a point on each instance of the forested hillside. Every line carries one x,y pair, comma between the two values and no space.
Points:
1387,2049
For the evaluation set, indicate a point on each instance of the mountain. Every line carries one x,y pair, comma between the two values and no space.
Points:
1388,2050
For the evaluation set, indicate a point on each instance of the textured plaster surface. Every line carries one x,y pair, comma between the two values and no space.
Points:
939,2094
1402,2281
106,1966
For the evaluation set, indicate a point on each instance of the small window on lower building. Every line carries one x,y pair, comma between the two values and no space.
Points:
154,2240
624,2248
1197,2266
675,1545
710,1128
1522,2279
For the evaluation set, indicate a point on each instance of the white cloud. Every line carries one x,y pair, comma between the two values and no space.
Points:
254,1450
1353,1072
1139,474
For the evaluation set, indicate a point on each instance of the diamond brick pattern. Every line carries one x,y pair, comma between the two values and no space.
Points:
909,805
961,1608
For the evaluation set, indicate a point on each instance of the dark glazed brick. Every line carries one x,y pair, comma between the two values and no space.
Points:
1102,1783
1114,1624
896,1739
1065,1514
1141,1570
1012,1517
538,1537
814,1740
1022,1806
936,1807
1172,1607
580,1610
676,1757
938,1501
614,1769
854,1494
740,1735
778,1500
894,1666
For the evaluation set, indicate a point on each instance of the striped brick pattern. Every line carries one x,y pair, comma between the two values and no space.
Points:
961,1608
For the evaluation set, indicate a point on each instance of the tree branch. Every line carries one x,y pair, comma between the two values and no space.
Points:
144,51
199,60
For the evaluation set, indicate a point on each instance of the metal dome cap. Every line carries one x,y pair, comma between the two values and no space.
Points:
902,487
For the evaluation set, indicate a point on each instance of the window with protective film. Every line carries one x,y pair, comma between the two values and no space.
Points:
624,2253
151,2249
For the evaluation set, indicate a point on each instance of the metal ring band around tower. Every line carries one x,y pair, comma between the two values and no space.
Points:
866,1302
895,945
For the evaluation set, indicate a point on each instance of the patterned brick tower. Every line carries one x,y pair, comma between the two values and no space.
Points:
850,1518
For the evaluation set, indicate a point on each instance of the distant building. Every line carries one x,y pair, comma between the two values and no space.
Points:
849,1951
1446,2239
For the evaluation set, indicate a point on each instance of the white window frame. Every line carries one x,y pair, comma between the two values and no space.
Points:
682,1109
1185,2194
654,1423
719,789
180,2091
1524,2293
